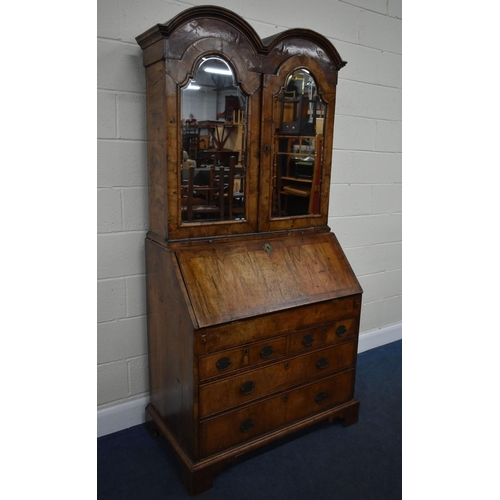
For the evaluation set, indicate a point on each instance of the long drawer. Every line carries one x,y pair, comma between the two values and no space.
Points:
241,425
213,339
239,389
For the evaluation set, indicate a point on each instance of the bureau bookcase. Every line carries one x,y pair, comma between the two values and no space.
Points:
253,309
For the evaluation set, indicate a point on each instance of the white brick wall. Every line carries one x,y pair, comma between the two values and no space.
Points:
365,208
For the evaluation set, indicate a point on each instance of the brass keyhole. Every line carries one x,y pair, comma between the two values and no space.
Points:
268,248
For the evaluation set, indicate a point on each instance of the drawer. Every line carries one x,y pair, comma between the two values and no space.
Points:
323,335
218,396
238,426
232,359
272,325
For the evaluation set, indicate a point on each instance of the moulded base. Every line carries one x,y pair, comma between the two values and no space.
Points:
198,476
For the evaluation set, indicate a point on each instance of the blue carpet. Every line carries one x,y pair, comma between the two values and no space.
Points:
327,461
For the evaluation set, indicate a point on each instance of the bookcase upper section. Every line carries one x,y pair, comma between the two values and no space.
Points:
240,130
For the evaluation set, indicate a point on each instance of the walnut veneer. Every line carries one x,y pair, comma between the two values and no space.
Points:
253,318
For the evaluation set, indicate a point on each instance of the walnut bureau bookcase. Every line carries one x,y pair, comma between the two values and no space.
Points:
253,308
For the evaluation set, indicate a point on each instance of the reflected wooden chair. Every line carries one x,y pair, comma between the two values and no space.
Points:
201,201
221,198
231,182
233,105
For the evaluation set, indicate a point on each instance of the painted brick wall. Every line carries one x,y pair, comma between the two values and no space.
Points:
365,208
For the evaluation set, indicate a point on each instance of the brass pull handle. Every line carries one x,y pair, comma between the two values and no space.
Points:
308,340
223,364
246,425
247,387
341,330
322,363
321,397
267,351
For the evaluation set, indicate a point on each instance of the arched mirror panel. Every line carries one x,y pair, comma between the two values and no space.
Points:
298,150
214,141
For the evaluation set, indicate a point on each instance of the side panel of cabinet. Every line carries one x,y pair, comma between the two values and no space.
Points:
157,153
172,372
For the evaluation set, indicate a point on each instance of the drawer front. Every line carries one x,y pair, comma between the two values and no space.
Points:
272,325
239,389
323,335
232,359
236,427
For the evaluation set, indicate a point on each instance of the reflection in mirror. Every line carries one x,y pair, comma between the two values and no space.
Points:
298,149
213,112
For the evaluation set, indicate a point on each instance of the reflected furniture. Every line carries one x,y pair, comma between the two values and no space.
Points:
253,309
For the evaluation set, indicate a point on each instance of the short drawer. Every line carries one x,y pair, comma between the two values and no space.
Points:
232,359
236,427
331,333
224,394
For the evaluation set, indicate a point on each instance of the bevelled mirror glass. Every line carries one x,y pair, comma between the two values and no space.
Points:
213,138
298,150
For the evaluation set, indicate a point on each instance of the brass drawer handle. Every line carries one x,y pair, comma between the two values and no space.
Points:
322,363
308,340
223,364
246,425
267,351
321,397
247,387
341,330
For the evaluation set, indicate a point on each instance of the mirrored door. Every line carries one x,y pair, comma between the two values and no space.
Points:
213,166
298,148
298,112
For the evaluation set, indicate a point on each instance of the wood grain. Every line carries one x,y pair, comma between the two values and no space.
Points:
252,324
239,280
